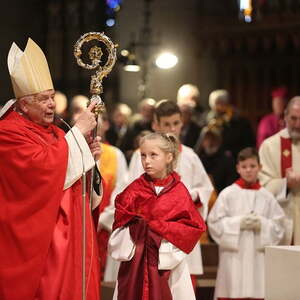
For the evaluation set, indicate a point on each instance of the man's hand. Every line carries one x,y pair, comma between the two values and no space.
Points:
95,147
293,178
87,120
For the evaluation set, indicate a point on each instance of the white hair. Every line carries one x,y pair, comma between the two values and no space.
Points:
147,101
218,95
186,93
294,101
124,109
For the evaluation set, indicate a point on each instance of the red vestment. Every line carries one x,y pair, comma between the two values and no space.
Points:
40,232
170,215
268,126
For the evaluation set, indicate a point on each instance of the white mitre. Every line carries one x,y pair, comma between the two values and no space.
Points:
29,71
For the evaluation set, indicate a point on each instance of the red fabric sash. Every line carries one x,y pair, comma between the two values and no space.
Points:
154,283
170,215
286,155
245,185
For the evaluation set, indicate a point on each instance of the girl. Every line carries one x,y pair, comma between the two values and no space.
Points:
156,225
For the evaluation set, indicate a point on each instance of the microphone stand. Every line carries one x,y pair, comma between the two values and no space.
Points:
83,194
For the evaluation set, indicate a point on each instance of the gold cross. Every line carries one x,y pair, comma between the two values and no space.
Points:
286,153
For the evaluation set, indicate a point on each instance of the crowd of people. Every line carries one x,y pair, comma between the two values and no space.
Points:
165,171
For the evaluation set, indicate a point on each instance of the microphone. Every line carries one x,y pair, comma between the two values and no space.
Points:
56,116
97,176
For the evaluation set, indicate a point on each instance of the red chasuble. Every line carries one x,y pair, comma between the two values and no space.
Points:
40,252
170,215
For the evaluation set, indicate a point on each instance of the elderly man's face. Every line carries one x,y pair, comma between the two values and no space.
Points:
293,121
221,107
40,108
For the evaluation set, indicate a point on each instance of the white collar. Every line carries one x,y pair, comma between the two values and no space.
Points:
284,133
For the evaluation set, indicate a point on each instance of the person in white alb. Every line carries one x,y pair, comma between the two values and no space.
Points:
280,174
244,220
114,171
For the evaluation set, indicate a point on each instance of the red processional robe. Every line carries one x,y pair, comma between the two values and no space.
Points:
170,215
40,223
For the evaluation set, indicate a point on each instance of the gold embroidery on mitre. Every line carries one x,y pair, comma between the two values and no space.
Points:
29,71
286,152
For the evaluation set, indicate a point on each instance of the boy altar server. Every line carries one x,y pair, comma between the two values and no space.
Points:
244,220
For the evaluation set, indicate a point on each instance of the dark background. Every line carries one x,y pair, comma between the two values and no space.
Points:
55,26
246,59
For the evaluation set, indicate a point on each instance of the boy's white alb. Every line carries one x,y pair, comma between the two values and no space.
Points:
29,71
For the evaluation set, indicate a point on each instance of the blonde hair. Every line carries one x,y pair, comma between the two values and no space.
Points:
168,144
